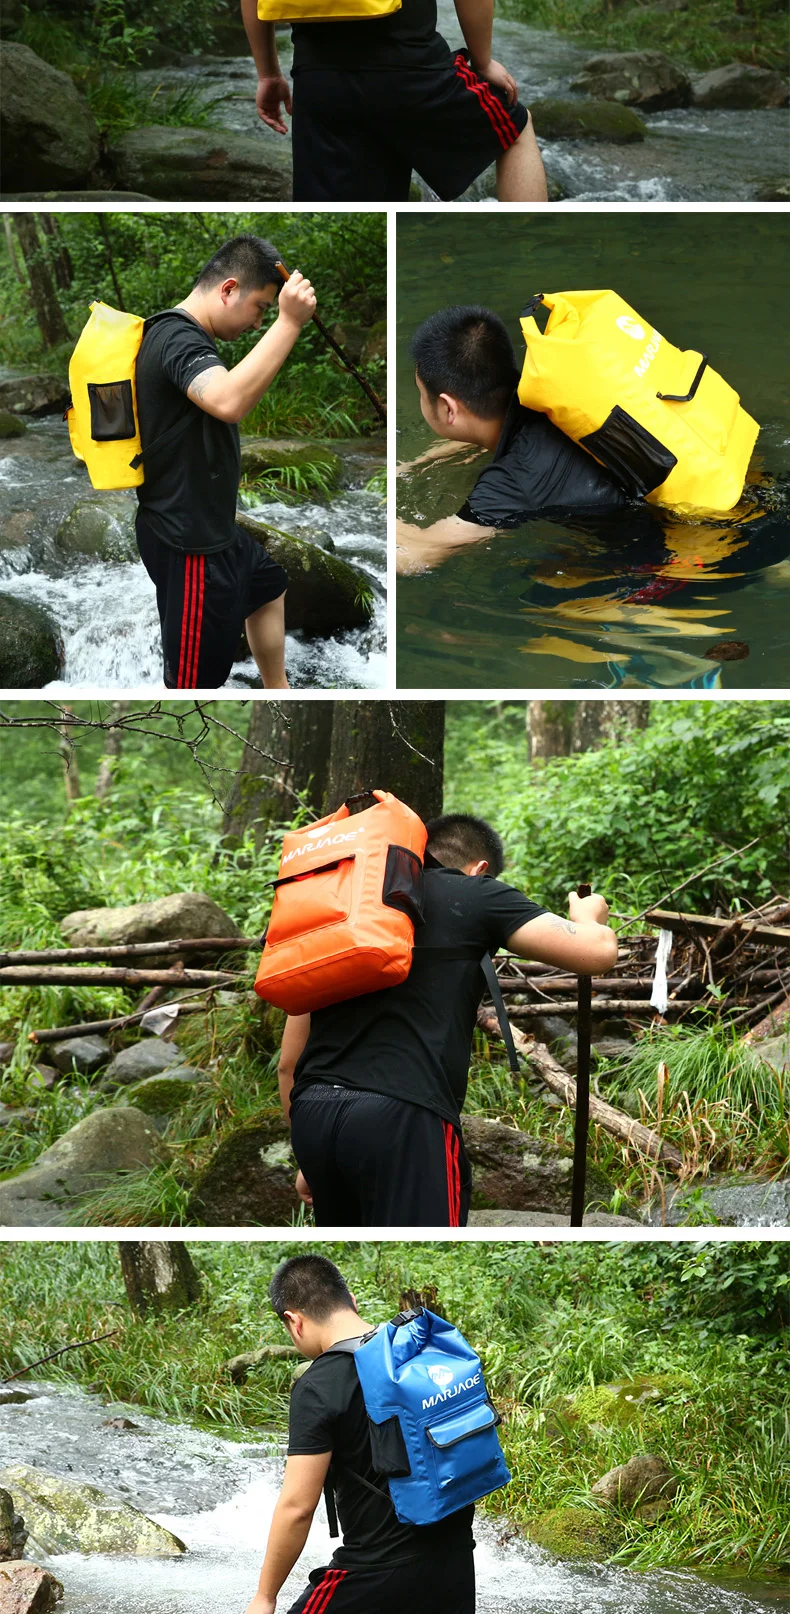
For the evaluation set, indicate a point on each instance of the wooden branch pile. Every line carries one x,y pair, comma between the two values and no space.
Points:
737,968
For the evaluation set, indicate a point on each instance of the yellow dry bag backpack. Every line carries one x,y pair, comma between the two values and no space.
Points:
325,10
662,421
102,411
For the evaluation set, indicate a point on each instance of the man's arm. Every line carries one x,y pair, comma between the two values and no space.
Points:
439,451
273,88
477,21
290,1526
295,1035
583,943
231,394
417,548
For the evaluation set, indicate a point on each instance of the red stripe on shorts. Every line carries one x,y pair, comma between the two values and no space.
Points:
452,1160
200,563
324,1591
500,120
185,621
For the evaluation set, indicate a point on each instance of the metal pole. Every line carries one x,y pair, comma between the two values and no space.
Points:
582,1117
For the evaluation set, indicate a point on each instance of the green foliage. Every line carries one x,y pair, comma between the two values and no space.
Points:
708,34
119,33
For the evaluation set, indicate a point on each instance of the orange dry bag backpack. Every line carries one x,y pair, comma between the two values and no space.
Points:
348,896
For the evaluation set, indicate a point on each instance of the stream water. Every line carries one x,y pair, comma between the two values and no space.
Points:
106,612
639,600
689,155
217,1496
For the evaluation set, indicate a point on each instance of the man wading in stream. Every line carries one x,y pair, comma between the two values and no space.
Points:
375,1085
383,1567
213,580
376,98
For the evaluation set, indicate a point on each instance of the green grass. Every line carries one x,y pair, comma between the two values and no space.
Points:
709,34
292,482
554,1323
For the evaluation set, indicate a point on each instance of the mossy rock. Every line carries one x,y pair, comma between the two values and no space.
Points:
101,529
577,1532
29,645
587,120
618,1406
11,425
325,594
249,1180
66,1516
260,454
165,1094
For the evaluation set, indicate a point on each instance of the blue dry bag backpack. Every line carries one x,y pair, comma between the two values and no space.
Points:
432,1426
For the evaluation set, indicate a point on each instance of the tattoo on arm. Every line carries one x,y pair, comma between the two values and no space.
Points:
562,924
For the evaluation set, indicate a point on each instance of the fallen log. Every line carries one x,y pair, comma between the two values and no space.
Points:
602,1114
527,1011
87,1028
773,935
161,949
54,975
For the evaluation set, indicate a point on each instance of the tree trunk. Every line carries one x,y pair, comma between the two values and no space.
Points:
43,296
158,1277
113,741
388,745
71,767
12,251
295,739
59,252
566,728
105,231
549,729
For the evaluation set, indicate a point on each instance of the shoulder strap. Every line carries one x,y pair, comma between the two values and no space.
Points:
166,439
345,1347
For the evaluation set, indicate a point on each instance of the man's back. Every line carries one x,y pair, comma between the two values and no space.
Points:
405,39
536,467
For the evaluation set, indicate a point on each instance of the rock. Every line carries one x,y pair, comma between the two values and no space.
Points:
86,1055
775,1051
186,915
740,87
612,1047
11,425
13,1534
26,1589
143,1059
514,1218
7,1051
47,131
34,394
643,78
75,196
163,1095
259,454
105,1145
587,120
577,1532
123,1424
642,1479
617,1406
64,1515
239,1366
29,646
202,165
100,528
771,192
12,1396
325,594
249,1180
16,1116
376,342
514,1171
43,1077
740,1202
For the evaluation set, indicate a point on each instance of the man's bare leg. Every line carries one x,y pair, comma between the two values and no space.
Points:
520,175
265,631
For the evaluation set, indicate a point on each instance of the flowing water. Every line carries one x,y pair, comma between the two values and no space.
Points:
689,154
105,612
218,1495
642,600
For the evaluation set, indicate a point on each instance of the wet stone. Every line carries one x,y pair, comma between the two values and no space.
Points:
85,1055
143,1059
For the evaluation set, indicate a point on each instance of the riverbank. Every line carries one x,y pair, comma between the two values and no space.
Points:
701,34
593,1353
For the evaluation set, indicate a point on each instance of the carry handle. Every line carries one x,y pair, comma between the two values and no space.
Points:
364,795
686,397
556,304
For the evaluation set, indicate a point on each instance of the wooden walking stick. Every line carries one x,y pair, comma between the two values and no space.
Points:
336,348
582,1117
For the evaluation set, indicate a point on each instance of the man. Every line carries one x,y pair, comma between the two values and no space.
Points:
376,1085
467,376
374,99
383,1567
213,580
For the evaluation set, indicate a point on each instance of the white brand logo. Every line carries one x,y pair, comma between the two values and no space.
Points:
649,354
448,1395
324,840
631,327
441,1376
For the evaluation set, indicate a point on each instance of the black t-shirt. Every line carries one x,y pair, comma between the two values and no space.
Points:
190,488
413,1041
405,39
328,1414
536,467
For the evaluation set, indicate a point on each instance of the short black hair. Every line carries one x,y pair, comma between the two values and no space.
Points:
246,258
467,352
309,1283
458,839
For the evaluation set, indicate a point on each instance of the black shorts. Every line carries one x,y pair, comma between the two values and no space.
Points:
204,601
374,1161
358,135
441,1584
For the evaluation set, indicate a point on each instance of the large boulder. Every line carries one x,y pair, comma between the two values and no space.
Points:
259,454
97,1151
733,1202
643,78
102,529
11,425
29,645
64,1515
26,1589
13,1534
513,1171
739,86
187,915
85,1055
48,135
587,120
577,1532
34,394
516,1218
325,594
202,165
644,1478
166,1093
249,1180
141,1060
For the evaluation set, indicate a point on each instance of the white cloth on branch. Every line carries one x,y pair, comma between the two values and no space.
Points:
160,1020
659,997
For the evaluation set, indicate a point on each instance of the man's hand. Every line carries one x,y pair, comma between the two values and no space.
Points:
303,1189
273,93
262,1605
588,910
297,300
500,79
